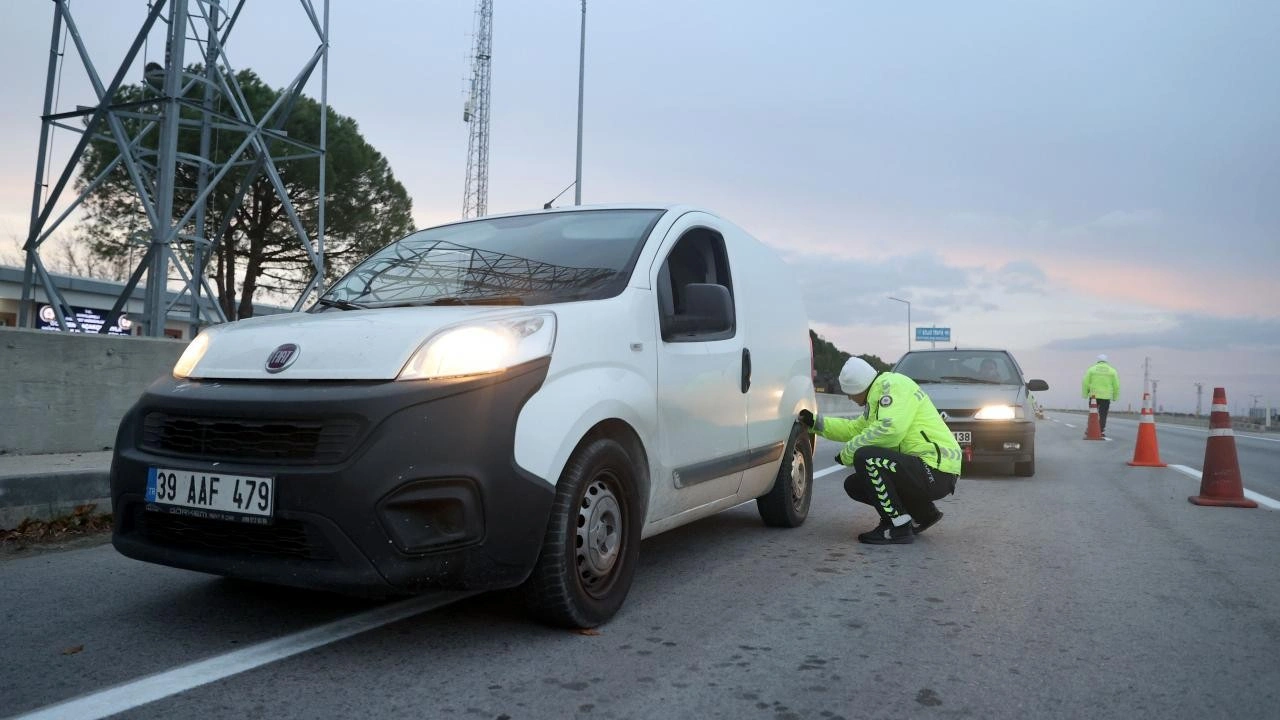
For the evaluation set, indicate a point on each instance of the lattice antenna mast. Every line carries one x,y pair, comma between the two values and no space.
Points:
145,132
475,198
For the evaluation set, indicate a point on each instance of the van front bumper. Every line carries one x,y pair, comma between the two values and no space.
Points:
380,488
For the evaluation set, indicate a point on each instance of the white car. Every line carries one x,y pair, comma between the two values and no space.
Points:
517,399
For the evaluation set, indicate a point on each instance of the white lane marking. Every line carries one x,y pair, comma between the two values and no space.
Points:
1198,430
136,693
1254,496
1069,425
828,471
1104,437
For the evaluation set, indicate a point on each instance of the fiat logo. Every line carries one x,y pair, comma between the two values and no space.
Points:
282,357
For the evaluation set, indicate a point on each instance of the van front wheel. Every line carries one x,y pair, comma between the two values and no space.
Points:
592,541
787,503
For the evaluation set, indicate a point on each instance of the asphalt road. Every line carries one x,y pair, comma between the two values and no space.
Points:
1257,453
1091,590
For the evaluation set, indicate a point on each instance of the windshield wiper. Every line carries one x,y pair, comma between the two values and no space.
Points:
967,379
463,300
925,381
340,304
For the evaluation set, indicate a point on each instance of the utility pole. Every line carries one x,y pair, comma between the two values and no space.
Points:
475,197
1199,395
582,67
1146,375
1154,403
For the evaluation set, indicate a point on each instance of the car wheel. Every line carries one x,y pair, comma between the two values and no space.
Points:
787,503
592,541
1025,469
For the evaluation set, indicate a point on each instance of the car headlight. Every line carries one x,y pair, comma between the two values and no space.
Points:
192,355
995,412
482,347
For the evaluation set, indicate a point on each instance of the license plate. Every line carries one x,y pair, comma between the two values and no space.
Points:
241,498
964,437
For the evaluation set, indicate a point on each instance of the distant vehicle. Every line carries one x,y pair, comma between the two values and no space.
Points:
984,399
516,399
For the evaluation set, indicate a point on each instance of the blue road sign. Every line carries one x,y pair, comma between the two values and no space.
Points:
933,334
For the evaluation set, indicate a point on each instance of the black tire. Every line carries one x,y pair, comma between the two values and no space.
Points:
597,506
1025,469
787,502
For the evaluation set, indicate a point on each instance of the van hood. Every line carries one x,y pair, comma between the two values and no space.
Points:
369,344
971,396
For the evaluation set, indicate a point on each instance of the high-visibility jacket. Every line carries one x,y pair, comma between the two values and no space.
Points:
899,416
1101,381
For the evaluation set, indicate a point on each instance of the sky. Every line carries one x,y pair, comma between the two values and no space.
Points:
1058,178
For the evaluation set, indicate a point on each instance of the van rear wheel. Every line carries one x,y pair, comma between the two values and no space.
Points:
592,542
787,503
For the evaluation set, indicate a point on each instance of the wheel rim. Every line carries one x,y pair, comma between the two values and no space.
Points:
799,479
600,536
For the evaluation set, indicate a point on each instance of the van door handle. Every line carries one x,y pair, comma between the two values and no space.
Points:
746,370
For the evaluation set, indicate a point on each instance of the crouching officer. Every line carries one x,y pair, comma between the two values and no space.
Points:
902,454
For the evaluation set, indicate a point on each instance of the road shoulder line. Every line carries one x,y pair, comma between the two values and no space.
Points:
1259,498
136,693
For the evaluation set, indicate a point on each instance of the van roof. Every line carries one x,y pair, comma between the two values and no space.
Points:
606,206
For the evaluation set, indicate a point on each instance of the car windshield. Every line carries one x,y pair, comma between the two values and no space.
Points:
985,367
518,260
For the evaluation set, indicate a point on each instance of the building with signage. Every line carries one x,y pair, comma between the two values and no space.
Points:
92,300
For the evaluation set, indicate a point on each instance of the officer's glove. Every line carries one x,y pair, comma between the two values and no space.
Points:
838,461
806,419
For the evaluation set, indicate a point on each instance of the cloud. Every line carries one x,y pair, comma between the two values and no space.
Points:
1188,332
1127,219
1021,276
841,291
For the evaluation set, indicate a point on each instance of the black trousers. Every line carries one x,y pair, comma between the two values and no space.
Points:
1103,407
895,483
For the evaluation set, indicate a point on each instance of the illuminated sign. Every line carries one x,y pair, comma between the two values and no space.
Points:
87,320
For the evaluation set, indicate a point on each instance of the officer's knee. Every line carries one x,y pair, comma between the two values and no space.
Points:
858,488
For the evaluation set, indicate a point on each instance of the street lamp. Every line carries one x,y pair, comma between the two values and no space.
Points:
908,304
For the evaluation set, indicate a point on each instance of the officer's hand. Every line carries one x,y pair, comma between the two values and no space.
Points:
838,462
806,419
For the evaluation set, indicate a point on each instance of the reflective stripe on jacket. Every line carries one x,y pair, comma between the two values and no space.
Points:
899,416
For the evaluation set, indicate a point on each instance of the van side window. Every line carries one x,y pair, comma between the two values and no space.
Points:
698,258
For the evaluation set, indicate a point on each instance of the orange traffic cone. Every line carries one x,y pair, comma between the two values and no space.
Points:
1146,453
1220,482
1094,430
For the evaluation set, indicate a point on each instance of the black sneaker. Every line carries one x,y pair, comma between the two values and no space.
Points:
922,525
886,533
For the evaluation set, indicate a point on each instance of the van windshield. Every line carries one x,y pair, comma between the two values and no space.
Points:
520,260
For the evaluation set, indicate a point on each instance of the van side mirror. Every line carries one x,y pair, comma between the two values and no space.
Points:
708,309
1037,385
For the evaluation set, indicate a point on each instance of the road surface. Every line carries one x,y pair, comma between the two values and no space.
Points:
1090,590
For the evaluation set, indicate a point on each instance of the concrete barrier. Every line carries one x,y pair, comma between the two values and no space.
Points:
66,392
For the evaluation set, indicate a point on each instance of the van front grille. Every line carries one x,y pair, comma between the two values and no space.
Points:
248,440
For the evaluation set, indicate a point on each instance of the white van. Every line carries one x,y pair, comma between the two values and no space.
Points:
517,399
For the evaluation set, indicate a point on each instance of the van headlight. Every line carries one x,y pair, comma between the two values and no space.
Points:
192,355
995,412
482,347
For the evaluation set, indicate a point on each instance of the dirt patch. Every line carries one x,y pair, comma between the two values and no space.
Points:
82,528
